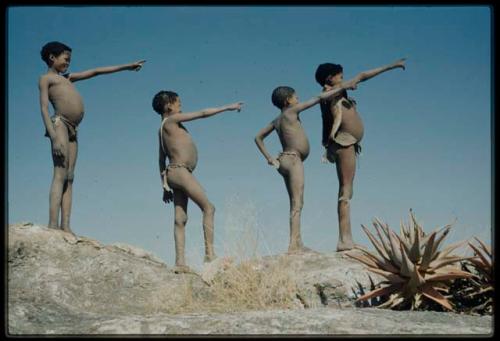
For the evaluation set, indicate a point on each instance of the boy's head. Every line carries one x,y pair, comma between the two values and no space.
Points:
284,96
328,73
56,52
166,101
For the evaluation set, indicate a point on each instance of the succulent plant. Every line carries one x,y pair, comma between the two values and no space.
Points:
415,269
475,294
361,290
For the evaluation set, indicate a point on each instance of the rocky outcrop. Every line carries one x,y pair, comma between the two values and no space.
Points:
61,284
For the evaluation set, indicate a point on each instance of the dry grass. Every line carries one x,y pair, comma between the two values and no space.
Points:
246,283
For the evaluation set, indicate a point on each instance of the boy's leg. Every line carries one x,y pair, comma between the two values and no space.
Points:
59,176
346,167
292,170
180,203
67,195
181,178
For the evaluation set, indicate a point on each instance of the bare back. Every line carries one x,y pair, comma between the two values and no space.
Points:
291,133
178,144
65,98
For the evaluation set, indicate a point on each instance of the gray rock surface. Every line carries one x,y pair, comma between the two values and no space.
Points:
61,284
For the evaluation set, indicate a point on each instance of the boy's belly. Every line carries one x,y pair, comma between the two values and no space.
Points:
352,124
188,155
73,112
295,146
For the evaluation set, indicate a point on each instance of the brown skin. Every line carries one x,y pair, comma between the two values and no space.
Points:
179,184
348,120
293,139
67,103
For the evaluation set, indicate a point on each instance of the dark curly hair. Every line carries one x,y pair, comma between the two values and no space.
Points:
161,98
281,94
54,48
325,70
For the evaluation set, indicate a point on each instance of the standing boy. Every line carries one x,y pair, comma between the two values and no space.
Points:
56,87
176,143
342,132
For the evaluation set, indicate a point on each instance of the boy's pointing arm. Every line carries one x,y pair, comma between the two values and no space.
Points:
78,76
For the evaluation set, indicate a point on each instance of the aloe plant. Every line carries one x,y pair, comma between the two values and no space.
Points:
413,266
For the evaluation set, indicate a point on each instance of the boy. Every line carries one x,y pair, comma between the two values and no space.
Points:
57,87
176,143
342,133
295,150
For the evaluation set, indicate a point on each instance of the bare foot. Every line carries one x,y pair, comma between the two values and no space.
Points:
68,230
182,269
210,258
346,246
299,250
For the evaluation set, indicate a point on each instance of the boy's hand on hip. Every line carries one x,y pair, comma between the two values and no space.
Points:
168,196
274,162
57,148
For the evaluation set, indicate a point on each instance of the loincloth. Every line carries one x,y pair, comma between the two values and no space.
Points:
288,153
342,140
179,165
72,129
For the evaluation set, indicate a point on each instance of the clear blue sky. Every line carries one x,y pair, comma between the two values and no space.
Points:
427,142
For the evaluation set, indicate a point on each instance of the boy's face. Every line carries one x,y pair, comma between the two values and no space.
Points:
61,62
335,79
175,106
292,100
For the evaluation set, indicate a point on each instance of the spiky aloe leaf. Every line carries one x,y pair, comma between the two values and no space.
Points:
448,276
393,301
381,263
427,256
438,241
395,248
380,249
485,262
486,248
380,292
391,277
447,250
445,261
383,241
429,292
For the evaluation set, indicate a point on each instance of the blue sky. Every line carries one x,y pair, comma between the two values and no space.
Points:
427,142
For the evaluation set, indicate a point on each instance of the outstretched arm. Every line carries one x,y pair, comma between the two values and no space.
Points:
167,192
78,76
204,113
366,75
259,141
351,84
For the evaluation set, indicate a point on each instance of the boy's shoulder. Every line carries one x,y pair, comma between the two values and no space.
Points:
52,76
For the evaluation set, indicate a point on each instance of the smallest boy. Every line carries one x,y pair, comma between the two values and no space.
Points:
295,150
176,143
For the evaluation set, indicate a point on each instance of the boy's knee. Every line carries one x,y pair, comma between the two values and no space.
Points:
297,204
60,174
181,219
209,208
70,176
345,193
